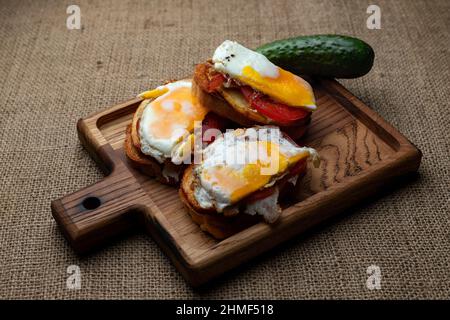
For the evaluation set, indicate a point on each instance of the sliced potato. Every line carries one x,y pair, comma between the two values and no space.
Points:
236,99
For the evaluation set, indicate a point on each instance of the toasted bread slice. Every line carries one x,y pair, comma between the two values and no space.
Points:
223,225
135,124
216,224
146,164
231,104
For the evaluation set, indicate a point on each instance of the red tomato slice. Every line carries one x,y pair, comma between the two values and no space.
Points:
298,168
213,121
260,194
280,113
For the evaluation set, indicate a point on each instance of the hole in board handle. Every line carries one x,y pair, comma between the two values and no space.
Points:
91,203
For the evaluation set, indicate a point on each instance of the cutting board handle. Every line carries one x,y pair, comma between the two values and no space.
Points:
104,210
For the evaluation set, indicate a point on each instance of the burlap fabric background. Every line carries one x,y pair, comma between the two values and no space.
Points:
51,76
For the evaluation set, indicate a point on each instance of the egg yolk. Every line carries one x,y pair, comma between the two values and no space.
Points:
175,109
239,183
286,87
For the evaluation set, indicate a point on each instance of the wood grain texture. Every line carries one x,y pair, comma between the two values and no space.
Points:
360,153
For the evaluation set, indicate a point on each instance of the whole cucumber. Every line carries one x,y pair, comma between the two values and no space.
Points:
334,56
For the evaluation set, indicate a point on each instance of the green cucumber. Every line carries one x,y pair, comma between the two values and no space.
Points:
333,56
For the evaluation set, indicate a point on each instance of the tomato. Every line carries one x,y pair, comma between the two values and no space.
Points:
298,168
282,114
260,194
213,121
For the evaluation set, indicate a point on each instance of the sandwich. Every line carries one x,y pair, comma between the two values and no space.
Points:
159,139
240,178
243,85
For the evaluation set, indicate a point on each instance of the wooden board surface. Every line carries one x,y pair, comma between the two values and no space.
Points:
360,153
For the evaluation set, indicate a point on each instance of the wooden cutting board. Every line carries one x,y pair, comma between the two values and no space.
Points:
360,154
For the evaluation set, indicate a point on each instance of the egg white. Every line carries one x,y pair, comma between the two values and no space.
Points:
231,58
157,147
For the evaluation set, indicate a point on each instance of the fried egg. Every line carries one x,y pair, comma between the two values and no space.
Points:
254,69
243,161
168,118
